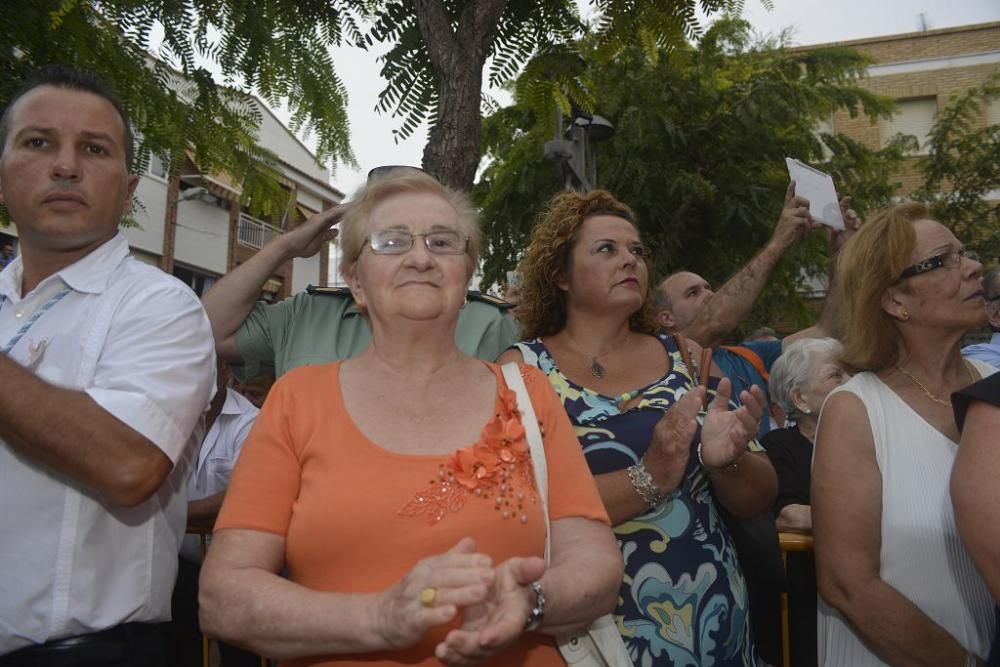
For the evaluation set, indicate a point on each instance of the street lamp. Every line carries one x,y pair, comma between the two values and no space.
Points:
573,150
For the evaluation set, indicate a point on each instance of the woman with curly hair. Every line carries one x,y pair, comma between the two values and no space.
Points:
634,401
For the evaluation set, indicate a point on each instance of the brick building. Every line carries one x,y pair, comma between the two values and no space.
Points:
921,71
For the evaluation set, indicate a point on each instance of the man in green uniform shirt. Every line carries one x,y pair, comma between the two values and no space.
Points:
321,324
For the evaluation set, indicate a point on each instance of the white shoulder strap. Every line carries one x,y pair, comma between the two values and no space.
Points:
512,375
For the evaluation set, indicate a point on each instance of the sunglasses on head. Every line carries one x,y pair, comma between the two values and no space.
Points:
385,170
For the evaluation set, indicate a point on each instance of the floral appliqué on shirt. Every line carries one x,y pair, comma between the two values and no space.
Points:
496,469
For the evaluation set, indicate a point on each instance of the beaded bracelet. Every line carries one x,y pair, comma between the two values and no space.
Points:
642,483
732,465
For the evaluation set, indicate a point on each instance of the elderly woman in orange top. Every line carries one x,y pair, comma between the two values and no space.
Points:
397,487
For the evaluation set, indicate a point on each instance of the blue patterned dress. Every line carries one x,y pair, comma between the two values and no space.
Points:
683,602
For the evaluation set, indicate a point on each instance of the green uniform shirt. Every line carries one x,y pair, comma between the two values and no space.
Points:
322,325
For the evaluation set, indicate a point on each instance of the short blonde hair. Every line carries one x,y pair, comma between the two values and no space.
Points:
547,262
870,264
354,225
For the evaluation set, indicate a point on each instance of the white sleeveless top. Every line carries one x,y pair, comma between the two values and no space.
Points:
922,554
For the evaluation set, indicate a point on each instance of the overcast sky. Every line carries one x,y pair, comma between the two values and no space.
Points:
812,22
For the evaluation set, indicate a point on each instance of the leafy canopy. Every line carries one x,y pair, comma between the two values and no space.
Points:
701,136
276,48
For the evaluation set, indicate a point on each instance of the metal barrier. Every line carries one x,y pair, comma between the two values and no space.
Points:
790,542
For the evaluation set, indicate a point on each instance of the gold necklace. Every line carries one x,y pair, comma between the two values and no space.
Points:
927,391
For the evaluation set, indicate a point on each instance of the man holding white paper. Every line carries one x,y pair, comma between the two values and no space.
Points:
685,302
817,188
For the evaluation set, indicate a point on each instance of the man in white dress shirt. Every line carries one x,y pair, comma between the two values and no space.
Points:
229,420
108,366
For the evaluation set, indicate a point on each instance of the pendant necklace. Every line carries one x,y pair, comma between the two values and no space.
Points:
597,369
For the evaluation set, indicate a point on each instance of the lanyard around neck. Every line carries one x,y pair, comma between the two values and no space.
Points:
53,300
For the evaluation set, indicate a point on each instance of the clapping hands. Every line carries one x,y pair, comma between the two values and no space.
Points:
432,593
495,602
499,619
725,433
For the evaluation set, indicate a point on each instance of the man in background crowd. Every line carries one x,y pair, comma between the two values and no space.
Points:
6,254
990,351
321,324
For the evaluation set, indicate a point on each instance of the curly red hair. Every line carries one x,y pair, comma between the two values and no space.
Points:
546,263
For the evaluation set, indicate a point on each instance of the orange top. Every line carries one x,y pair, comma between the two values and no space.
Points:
357,517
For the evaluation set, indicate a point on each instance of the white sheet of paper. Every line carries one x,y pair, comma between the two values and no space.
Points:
817,187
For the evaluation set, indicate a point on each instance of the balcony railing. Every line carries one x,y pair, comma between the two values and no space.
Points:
255,233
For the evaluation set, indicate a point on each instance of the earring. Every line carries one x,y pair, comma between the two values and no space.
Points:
906,314
807,411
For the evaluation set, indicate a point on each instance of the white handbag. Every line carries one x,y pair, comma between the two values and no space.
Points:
601,645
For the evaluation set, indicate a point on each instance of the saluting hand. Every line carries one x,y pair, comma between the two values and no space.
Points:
306,239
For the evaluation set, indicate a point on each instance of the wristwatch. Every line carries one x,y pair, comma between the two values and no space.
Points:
537,613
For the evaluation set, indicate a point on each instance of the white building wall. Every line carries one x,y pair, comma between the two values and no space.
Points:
305,272
202,236
309,200
148,237
276,138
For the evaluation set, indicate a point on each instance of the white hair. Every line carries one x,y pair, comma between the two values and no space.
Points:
796,369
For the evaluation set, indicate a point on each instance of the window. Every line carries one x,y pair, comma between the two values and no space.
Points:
157,165
914,117
197,281
993,112
824,125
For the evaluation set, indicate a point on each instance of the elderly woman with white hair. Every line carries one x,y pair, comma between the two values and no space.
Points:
800,380
397,487
802,377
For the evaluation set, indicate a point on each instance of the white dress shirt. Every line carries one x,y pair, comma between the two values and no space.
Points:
217,456
221,447
988,352
137,341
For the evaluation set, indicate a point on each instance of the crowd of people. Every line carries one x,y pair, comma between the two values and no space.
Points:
386,505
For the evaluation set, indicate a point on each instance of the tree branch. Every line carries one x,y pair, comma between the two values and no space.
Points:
477,26
435,27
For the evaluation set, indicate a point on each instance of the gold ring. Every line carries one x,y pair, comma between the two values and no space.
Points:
427,596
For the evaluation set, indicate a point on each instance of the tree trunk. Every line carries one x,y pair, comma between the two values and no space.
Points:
458,55
452,150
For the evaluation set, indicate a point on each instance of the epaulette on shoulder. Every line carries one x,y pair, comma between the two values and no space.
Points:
328,290
475,295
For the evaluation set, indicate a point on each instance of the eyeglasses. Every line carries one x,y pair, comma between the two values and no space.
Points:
399,241
946,260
